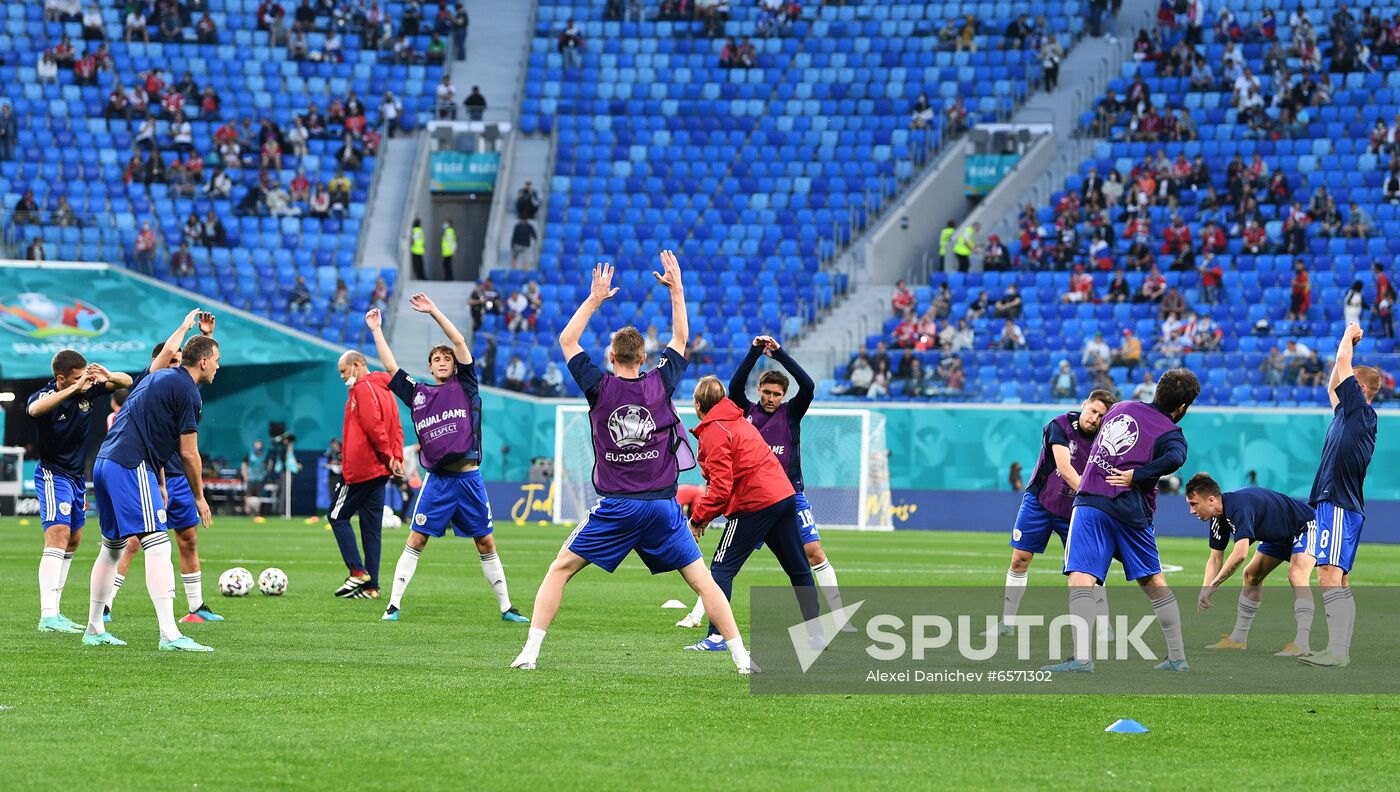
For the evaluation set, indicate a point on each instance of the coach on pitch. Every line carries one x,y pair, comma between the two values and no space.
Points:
748,484
373,451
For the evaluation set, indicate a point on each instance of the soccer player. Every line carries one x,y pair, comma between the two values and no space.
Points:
639,448
750,486
158,417
447,418
1337,495
1274,520
1137,444
1049,498
373,442
62,413
179,500
780,424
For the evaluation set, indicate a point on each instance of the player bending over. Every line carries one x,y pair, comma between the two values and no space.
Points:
639,448
1137,444
158,417
748,485
447,418
62,413
180,510
1049,498
1337,496
1274,520
780,424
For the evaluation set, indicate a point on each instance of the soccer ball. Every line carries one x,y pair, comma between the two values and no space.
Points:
236,582
272,582
391,520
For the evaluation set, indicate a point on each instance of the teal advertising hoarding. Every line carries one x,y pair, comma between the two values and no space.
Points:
462,172
985,171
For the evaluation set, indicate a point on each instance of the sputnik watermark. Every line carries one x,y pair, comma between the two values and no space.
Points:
896,638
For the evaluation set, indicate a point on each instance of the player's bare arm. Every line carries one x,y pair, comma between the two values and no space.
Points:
600,292
170,353
1341,366
670,277
194,473
48,403
1213,563
1065,466
375,322
112,380
422,303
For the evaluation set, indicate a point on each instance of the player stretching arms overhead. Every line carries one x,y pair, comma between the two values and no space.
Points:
179,504
1045,507
639,447
780,424
1138,443
447,418
1337,495
1277,522
62,412
159,416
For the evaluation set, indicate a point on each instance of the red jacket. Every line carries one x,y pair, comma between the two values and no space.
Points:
743,474
373,435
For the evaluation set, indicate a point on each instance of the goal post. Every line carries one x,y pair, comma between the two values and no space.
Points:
845,466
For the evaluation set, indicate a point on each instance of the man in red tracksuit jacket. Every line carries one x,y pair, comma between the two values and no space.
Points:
373,451
748,484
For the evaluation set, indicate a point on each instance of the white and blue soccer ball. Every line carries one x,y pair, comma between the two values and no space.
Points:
236,582
272,582
392,520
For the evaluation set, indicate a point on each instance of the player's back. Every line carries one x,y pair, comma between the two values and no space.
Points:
159,409
1346,450
1271,515
1127,440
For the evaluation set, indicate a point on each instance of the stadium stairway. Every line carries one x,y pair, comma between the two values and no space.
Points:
413,334
529,159
388,218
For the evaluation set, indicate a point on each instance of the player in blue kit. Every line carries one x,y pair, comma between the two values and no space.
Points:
639,449
160,415
1049,498
447,418
1337,495
1137,444
179,500
1237,519
62,411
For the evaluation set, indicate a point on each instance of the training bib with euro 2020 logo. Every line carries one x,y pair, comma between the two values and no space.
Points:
1126,440
639,444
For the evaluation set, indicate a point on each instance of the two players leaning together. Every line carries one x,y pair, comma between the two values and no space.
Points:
1095,486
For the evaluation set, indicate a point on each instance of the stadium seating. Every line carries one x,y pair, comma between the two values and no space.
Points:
67,148
1330,149
745,169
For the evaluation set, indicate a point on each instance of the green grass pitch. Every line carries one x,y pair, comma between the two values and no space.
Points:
308,691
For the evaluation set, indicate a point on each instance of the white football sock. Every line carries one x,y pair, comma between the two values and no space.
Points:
825,578
1248,608
697,613
1015,590
160,582
1169,617
1081,608
496,576
63,579
531,652
1103,624
1303,610
403,572
104,572
194,593
116,586
50,571
738,652
1341,618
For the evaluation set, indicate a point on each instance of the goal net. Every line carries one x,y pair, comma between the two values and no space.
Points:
845,466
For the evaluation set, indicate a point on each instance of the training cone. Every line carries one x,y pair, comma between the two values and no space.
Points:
1126,726
674,604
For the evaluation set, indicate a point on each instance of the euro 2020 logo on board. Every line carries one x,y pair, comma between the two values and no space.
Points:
1118,436
631,426
39,316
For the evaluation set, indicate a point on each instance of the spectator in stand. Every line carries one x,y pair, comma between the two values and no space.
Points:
906,333
527,202
517,374
978,307
475,104
1255,240
1353,303
214,233
1272,367
379,298
1294,353
340,190
927,337
880,381
181,262
994,255
9,132
220,185
729,54
253,203
701,351
460,23
340,299
967,35
300,188
206,31
1358,222
1392,184
193,230
1009,306
94,29
1212,279
521,239
299,301
145,248
279,202
1208,335
46,71
1051,54
860,376
169,29
26,211
903,300
1017,31
63,214
1011,336
1062,384
1081,287
963,337
1118,291
446,96
552,382
35,251
921,117
570,42
1300,298
1129,354
1095,349
943,301
136,26
1173,305
517,312
1311,374
319,205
